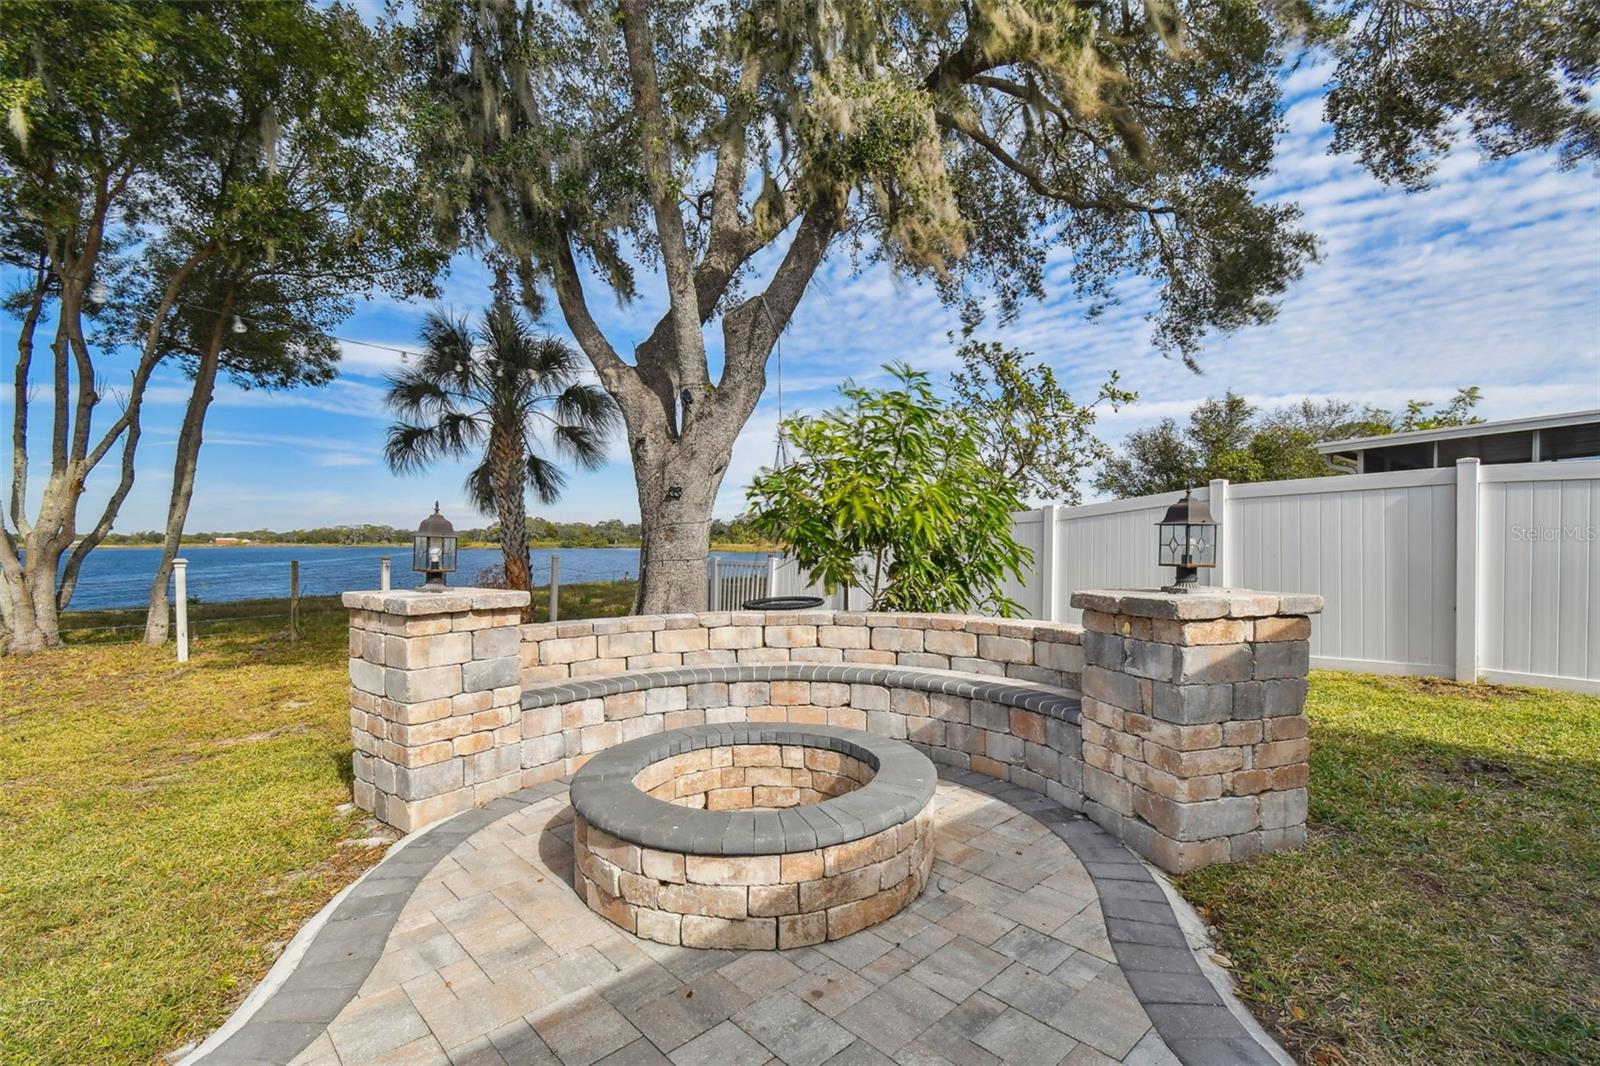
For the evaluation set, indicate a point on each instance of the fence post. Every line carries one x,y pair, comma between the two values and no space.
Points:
555,583
180,607
1217,500
294,599
1467,545
1049,566
714,601
383,573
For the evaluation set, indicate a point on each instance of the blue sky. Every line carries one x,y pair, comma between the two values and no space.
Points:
1490,278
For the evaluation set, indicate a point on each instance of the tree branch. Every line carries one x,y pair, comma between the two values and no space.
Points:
19,399
74,283
969,127
689,343
1033,95
751,329
151,354
575,309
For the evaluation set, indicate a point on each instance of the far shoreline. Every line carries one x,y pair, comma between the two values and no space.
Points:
769,549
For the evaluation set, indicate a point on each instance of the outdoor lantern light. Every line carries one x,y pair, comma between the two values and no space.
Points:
1188,541
435,551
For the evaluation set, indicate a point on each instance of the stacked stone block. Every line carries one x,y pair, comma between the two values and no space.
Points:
741,776
1191,745
1038,751
1042,652
783,900
435,701
1193,721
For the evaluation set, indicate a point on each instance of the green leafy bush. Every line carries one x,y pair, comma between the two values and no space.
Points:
890,494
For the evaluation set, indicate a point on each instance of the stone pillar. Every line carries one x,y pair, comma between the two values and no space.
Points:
1194,728
435,700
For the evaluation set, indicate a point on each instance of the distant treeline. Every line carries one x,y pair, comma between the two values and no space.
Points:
611,533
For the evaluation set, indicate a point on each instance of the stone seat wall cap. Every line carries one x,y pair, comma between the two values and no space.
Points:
602,793
923,679
825,827
1200,605
412,603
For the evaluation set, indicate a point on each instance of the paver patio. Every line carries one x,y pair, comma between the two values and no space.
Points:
1006,957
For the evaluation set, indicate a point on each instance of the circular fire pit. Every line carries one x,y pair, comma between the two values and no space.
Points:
752,835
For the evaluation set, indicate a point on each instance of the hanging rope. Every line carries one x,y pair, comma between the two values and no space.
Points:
780,458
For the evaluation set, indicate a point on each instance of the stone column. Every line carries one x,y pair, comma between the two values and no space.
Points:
1194,728
435,700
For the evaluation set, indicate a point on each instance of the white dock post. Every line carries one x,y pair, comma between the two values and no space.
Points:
383,572
180,580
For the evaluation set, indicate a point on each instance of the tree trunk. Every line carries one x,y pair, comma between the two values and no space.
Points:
509,470
677,481
183,474
30,578
23,635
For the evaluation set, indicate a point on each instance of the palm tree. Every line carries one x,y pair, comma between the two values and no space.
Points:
500,390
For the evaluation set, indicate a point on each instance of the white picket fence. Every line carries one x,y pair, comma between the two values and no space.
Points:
1479,571
730,583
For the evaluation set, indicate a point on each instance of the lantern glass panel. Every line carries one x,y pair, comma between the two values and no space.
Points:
447,554
1174,538
1203,545
419,554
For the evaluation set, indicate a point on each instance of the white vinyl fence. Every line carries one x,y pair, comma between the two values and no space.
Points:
1486,572
1477,571
730,583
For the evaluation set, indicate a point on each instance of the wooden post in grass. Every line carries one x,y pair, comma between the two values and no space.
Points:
555,583
180,607
294,599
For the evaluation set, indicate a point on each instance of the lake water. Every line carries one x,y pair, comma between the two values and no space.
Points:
120,577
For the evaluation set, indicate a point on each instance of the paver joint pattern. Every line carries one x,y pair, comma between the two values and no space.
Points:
1039,939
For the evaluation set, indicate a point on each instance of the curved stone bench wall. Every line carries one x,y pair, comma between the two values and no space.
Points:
1196,701
1044,652
1015,731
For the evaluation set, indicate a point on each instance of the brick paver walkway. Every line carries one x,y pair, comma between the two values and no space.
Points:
1005,958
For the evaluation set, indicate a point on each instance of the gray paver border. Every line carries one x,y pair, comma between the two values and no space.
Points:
343,951
1186,1010
603,793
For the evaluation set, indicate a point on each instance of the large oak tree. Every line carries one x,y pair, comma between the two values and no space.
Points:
728,147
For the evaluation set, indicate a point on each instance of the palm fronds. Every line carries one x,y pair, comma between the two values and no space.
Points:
498,381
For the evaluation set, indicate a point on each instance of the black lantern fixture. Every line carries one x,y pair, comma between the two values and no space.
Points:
1188,541
434,553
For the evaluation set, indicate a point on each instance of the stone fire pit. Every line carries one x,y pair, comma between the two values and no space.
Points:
752,835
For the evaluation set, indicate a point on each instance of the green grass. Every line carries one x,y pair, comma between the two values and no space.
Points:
1447,905
166,827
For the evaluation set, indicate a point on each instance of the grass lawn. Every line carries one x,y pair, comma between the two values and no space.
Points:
165,828
1447,905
